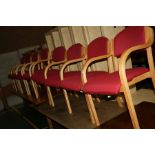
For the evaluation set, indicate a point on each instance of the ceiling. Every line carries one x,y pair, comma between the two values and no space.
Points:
16,37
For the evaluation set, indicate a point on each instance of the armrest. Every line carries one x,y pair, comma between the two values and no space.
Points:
32,67
84,70
125,55
24,67
18,68
50,65
13,69
67,64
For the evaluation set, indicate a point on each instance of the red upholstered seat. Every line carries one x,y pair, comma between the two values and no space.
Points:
72,80
38,76
96,48
17,76
109,84
26,76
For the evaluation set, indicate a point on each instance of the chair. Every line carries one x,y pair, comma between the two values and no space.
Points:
130,40
75,55
57,59
97,49
37,68
15,74
22,73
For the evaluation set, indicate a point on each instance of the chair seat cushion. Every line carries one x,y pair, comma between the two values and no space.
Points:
38,76
109,84
54,81
72,80
17,76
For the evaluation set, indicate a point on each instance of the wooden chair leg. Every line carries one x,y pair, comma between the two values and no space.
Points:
70,93
20,87
76,95
50,97
89,109
35,90
27,88
97,99
131,108
15,86
67,101
120,101
93,109
153,81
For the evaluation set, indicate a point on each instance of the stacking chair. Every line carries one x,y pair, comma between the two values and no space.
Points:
74,55
37,68
130,40
58,57
96,50
15,74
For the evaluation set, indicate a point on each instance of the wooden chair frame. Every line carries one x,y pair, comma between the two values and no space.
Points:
122,73
67,64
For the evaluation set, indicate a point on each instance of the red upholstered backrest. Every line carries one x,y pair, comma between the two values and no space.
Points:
44,54
74,52
98,47
26,58
34,56
129,37
58,54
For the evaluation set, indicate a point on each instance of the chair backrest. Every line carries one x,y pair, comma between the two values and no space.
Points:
129,37
59,54
26,58
97,47
75,52
35,56
43,54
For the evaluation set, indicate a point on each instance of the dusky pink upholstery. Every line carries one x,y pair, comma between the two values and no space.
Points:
38,76
26,58
109,84
43,54
58,54
34,57
53,78
97,47
73,52
131,36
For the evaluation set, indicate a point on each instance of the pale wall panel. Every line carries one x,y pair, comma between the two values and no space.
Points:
49,42
77,34
56,39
